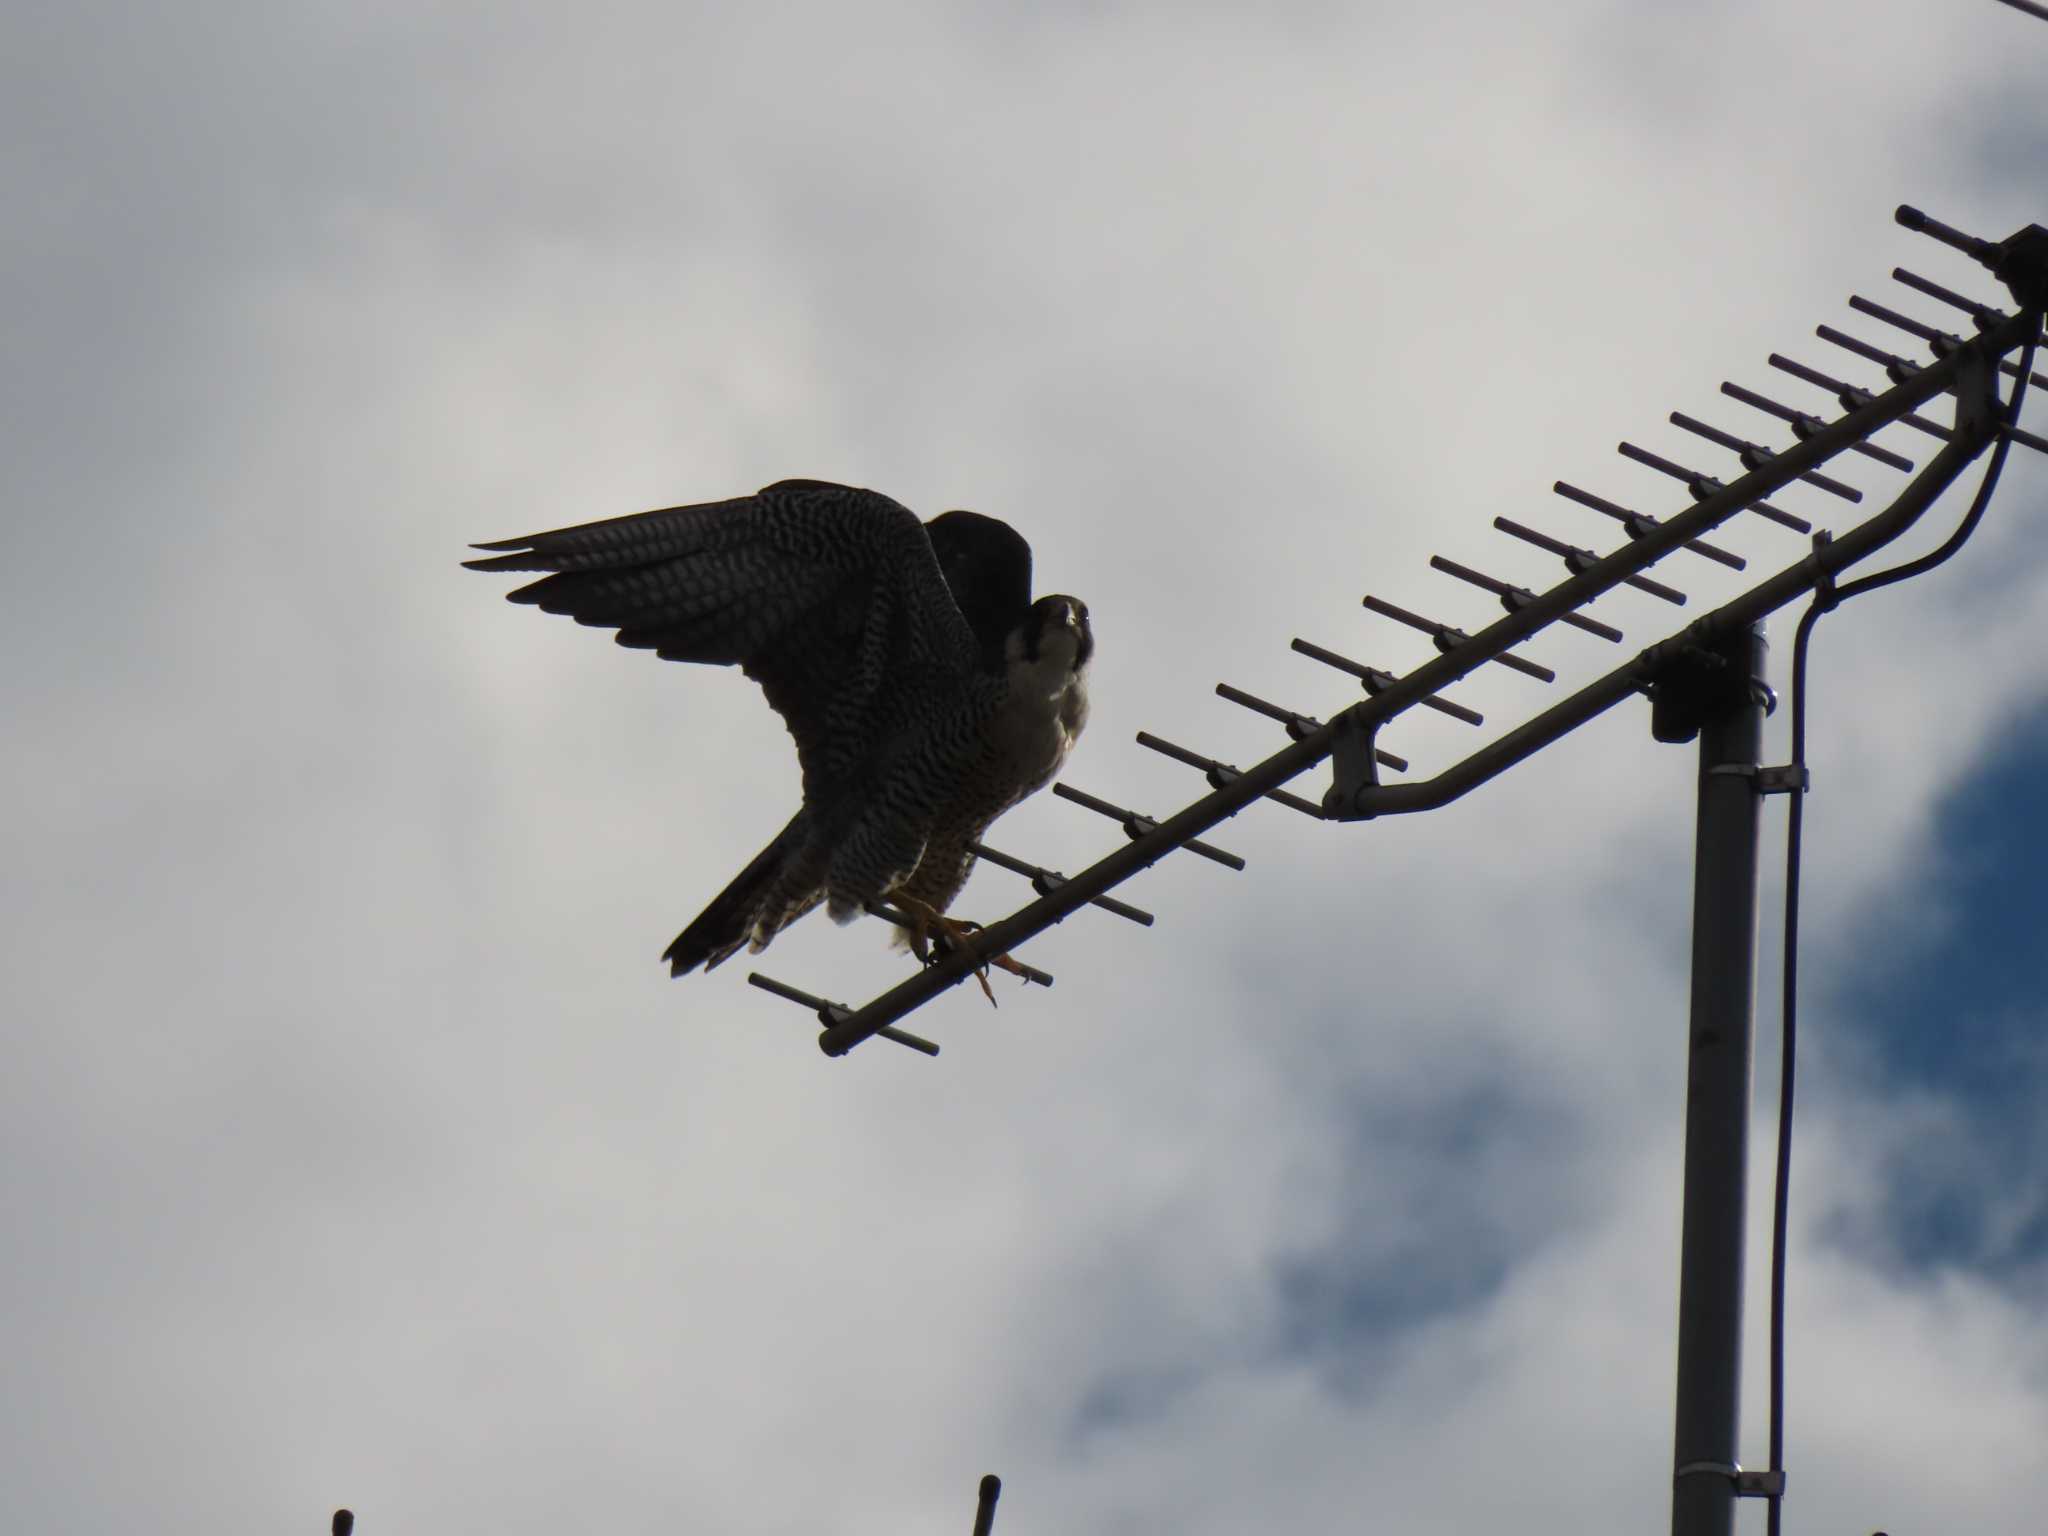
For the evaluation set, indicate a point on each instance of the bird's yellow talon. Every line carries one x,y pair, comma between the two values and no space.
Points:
953,932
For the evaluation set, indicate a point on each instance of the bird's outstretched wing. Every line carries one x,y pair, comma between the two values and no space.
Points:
830,597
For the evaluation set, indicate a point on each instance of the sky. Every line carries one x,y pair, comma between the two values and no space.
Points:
359,1151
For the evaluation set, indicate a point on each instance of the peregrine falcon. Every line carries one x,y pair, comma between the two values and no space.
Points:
925,690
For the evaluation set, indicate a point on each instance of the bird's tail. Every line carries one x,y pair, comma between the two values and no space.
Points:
741,909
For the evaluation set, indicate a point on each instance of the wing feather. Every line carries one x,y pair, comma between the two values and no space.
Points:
828,596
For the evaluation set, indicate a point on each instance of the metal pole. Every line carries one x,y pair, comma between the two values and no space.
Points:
1730,702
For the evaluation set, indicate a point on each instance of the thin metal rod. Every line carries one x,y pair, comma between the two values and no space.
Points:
1577,559
1513,597
1717,1101
1850,396
1220,773
1896,368
1939,341
1906,216
1982,315
985,1505
1805,424
1447,639
1369,714
1640,523
1753,454
1702,485
1043,880
830,1014
1377,681
1299,726
2026,439
1136,825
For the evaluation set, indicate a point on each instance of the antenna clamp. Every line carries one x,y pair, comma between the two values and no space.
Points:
1355,771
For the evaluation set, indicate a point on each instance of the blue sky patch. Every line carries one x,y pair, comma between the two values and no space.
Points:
1959,1016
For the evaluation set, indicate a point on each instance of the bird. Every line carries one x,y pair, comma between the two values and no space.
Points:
925,690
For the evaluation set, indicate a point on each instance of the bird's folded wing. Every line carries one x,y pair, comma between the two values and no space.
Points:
828,596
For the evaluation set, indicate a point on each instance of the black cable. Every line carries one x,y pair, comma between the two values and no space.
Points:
1826,598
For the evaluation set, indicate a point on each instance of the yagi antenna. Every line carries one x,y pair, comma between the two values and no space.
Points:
1726,488
1704,679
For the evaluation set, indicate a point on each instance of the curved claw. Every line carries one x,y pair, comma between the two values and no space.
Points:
953,932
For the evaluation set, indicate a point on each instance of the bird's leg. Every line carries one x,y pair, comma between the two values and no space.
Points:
923,918
953,931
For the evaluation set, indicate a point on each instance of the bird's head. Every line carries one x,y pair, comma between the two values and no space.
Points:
987,566
1055,631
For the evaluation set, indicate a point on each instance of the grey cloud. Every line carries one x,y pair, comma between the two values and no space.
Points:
358,1150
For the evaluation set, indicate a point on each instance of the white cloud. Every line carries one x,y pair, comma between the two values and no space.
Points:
359,1150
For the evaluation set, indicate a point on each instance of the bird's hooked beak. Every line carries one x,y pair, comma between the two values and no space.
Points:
1073,618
